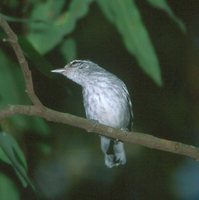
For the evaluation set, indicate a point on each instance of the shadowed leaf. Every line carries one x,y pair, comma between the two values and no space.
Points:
162,4
56,24
126,17
8,189
15,156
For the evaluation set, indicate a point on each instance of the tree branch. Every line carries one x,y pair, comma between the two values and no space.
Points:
12,38
90,126
38,110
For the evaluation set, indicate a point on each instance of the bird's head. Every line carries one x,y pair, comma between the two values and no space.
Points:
80,71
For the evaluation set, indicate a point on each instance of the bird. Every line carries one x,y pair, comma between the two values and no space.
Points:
106,100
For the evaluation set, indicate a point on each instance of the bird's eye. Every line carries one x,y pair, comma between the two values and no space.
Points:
76,63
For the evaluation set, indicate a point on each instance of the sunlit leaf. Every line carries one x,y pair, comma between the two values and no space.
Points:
126,17
162,4
8,190
16,157
54,24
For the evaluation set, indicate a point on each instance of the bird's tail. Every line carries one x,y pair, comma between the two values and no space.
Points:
113,151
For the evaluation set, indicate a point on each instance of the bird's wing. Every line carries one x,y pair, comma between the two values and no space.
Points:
130,105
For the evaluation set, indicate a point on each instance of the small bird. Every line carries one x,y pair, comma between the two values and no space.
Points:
106,100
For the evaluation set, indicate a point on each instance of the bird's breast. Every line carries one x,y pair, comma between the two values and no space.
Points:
106,105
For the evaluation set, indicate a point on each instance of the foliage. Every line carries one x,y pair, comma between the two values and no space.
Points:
11,153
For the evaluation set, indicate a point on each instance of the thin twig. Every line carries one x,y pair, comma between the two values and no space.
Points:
37,109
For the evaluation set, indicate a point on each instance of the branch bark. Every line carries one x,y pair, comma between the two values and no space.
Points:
38,110
91,126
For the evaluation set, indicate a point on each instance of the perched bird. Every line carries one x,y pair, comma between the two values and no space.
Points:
106,100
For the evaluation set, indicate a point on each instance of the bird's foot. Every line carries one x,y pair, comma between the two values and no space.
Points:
125,130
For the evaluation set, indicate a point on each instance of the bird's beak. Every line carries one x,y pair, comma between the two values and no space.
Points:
61,71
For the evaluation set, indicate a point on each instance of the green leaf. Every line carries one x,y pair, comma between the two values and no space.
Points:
68,49
56,24
15,156
4,157
8,189
14,93
126,17
162,4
